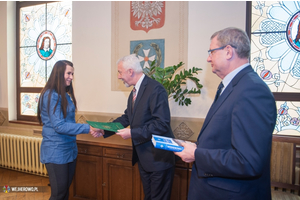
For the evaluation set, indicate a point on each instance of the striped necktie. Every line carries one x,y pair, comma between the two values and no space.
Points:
133,96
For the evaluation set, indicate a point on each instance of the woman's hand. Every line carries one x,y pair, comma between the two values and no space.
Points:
95,132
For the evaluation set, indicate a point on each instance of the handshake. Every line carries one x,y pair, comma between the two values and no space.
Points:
95,132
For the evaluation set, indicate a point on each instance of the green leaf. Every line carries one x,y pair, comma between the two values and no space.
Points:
173,78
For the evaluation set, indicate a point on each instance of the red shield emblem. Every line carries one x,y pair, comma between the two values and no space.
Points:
147,15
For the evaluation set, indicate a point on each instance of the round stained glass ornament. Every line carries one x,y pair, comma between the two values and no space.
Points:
46,45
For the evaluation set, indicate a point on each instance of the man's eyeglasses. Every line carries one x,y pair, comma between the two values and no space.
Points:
219,48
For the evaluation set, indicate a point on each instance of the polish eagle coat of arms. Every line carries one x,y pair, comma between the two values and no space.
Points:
147,15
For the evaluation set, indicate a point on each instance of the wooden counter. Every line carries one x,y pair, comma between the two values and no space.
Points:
104,171
112,141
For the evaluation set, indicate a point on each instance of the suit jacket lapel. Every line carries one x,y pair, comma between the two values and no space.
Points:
215,106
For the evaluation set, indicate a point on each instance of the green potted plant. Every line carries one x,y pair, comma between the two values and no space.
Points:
174,80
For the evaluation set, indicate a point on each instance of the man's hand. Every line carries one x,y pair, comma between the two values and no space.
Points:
124,133
188,153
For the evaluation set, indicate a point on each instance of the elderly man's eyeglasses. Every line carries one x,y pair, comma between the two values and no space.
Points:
212,50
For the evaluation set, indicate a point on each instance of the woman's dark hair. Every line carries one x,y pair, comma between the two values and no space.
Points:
57,83
43,42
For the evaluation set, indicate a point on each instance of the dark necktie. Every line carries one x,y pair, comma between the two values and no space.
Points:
133,96
220,87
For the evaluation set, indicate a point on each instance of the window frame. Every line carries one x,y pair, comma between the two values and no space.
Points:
19,90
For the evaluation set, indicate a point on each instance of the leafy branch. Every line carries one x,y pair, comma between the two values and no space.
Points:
173,80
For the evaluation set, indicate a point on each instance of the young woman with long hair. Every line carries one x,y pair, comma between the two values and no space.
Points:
56,111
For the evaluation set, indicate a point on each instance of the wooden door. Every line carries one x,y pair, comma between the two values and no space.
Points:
120,180
87,182
180,182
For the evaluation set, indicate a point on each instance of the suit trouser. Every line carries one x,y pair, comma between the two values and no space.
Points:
60,177
157,185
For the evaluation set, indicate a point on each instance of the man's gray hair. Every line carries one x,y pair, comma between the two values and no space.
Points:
236,38
131,62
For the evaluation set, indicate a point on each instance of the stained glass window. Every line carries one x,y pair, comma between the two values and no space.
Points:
288,118
29,102
275,56
45,36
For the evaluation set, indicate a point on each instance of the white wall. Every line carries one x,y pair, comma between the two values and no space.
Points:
11,60
3,55
205,18
92,58
92,54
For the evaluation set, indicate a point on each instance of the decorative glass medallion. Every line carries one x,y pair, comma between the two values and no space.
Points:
293,32
46,45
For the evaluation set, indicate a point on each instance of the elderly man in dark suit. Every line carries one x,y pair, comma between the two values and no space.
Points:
232,154
147,113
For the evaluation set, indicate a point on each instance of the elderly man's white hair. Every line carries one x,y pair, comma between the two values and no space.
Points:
131,62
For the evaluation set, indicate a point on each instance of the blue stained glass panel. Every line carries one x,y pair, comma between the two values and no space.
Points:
275,56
